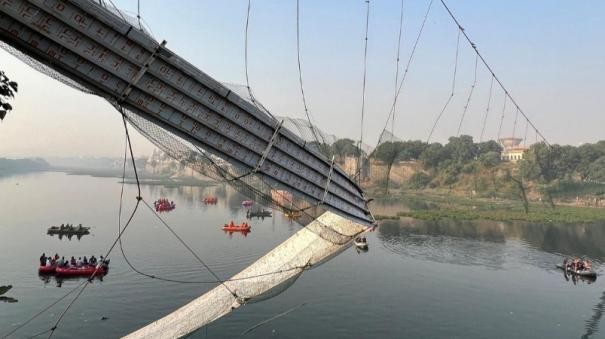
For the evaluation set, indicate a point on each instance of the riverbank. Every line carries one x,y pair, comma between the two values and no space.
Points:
433,206
144,178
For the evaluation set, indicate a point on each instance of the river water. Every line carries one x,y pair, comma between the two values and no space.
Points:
418,279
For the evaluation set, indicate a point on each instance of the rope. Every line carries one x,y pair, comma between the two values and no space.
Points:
397,68
506,92
468,100
189,249
272,318
363,91
42,311
452,92
252,98
302,91
489,101
89,280
407,67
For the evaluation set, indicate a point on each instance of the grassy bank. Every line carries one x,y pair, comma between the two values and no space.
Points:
432,206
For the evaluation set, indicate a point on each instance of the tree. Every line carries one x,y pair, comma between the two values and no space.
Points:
343,148
7,91
388,152
412,149
596,170
433,155
587,154
490,159
488,146
462,148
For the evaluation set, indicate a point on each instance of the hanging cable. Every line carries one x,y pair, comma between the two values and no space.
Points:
506,92
397,69
515,123
139,14
255,102
300,79
452,92
42,312
407,67
89,280
502,117
468,99
525,137
363,91
489,101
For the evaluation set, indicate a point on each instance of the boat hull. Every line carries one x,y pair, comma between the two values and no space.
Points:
590,274
80,271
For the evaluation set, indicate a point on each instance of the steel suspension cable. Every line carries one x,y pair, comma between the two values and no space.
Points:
506,92
407,67
90,279
363,91
515,123
502,117
489,101
397,68
468,99
452,92
300,79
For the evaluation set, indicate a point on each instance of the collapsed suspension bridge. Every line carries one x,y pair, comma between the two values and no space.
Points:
208,126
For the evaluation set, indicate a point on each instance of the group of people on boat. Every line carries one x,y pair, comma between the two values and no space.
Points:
210,200
68,228
57,261
244,228
163,204
577,264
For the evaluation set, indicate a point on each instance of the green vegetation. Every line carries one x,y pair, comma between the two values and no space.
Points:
427,206
7,91
537,214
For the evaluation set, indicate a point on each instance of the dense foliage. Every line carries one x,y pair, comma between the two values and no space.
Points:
7,91
546,164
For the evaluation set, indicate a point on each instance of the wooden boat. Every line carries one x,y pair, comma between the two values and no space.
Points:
247,203
584,273
68,230
259,214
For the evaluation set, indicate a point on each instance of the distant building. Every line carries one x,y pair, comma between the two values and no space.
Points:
513,150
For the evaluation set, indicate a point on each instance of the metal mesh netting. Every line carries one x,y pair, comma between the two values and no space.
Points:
253,185
301,127
42,68
387,136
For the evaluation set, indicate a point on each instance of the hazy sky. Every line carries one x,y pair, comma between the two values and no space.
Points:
549,53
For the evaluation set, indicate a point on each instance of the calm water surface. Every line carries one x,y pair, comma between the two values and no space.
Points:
419,279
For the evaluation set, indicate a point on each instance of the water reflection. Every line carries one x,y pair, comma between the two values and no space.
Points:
444,243
59,280
485,237
592,324
68,236
3,290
